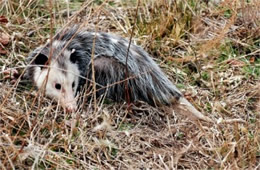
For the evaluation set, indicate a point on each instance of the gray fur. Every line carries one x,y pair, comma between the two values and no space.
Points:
148,84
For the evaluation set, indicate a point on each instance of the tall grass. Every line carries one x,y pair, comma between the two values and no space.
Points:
210,49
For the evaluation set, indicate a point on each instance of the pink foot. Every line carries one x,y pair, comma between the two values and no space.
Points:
11,74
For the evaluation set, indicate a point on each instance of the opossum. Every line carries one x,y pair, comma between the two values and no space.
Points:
63,67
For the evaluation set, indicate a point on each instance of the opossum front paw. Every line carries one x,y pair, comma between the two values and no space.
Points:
11,74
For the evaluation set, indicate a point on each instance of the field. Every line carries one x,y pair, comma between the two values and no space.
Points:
210,49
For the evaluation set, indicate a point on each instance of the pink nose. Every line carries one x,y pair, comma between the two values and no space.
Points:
71,108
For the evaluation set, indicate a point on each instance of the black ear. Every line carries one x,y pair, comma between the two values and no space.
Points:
40,59
74,56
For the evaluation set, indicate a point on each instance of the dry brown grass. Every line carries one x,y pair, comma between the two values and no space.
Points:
209,50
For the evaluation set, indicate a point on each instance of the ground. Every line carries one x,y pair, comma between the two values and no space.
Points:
209,49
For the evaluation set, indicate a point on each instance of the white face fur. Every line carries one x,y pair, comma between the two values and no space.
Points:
61,83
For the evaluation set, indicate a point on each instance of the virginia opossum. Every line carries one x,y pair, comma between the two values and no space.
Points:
64,66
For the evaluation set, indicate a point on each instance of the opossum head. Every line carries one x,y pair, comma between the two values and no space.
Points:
53,70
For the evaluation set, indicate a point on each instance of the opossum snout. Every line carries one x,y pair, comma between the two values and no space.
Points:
69,104
70,107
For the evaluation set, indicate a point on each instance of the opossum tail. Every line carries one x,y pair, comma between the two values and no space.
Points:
184,107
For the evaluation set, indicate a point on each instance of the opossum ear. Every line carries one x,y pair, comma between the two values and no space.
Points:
41,59
73,56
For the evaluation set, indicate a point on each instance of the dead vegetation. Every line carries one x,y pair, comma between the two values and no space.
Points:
210,50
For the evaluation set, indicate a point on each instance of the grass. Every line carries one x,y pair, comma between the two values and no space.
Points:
209,50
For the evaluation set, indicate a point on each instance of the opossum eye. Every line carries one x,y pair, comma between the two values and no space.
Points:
57,86
41,59
73,84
